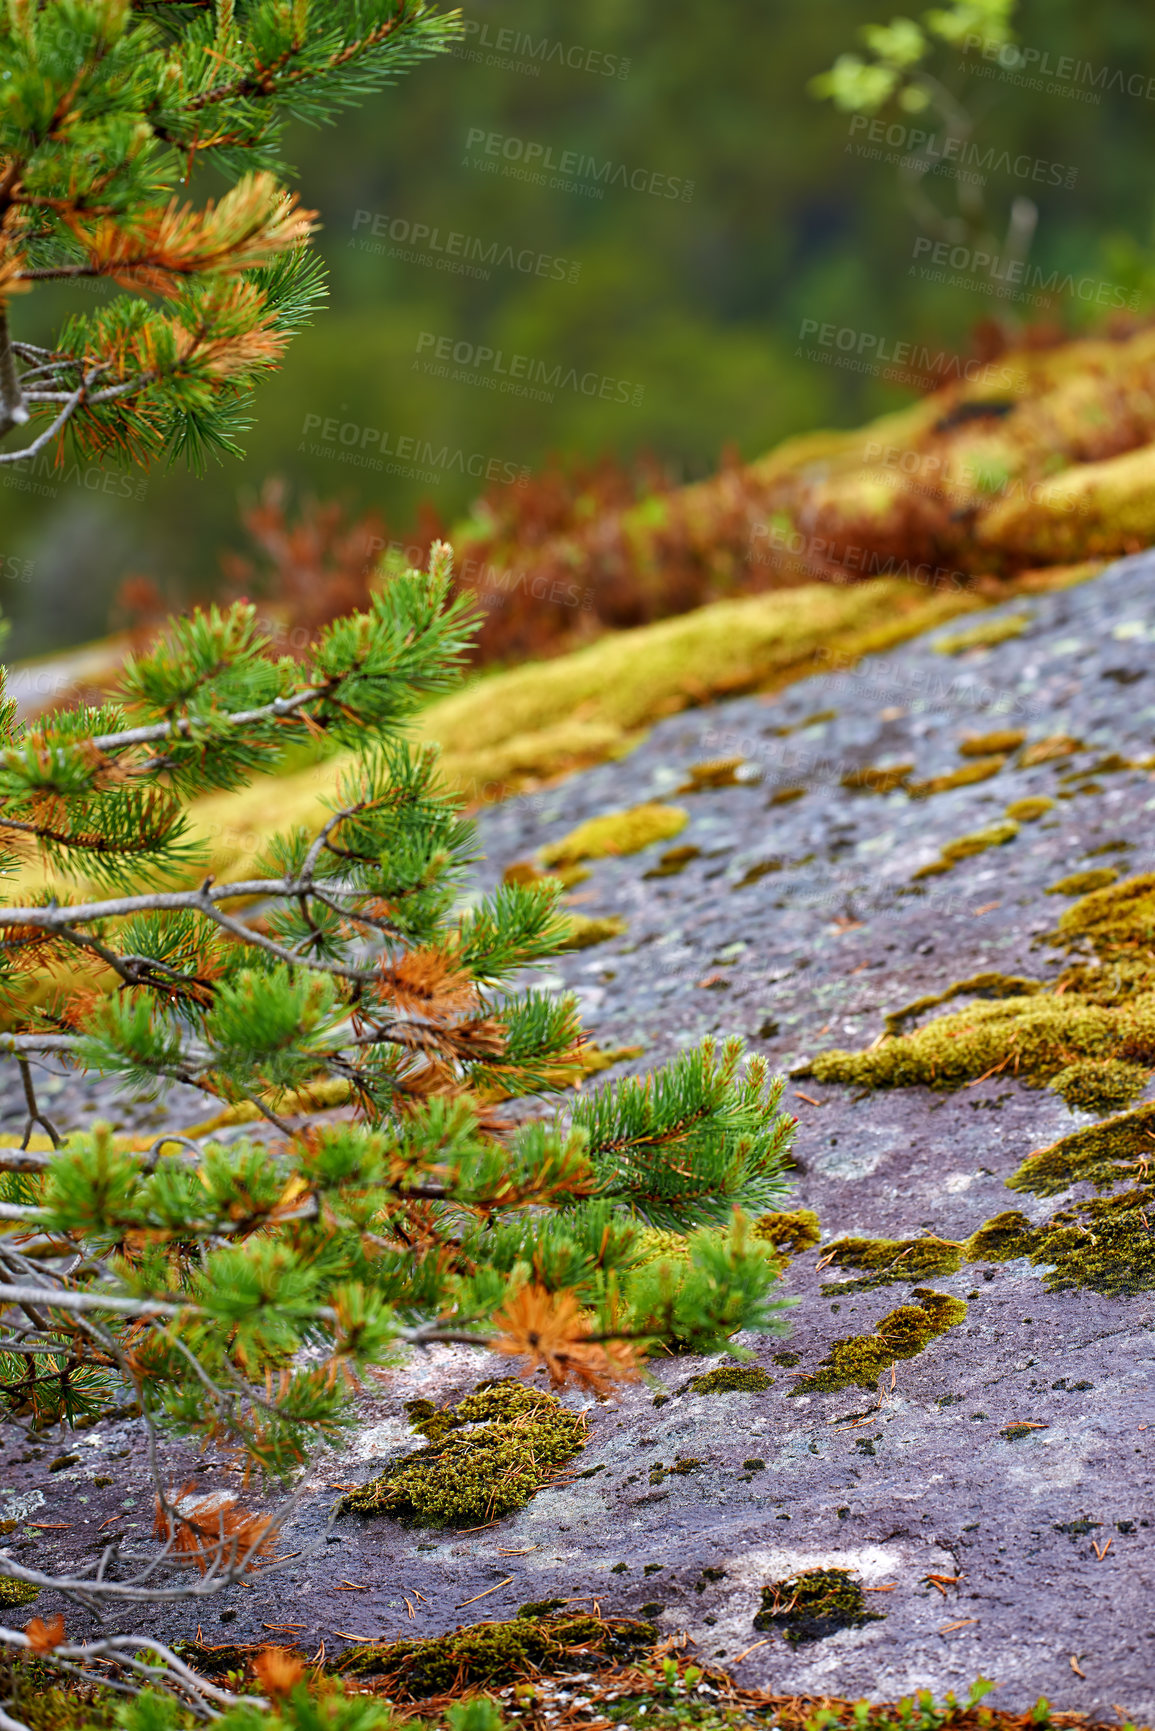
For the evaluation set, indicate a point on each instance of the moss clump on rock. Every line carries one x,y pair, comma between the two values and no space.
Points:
585,931
1050,750
877,778
1099,1084
978,841
980,770
1082,883
673,861
1103,1155
720,772
977,986
1105,1245
814,1604
792,1233
1030,810
486,1457
732,1379
1116,922
490,1655
984,744
904,1333
617,832
890,1259
1033,1038
13,1593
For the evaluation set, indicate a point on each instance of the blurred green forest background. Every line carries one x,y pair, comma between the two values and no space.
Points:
693,305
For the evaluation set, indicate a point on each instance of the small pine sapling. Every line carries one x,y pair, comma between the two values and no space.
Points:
235,1289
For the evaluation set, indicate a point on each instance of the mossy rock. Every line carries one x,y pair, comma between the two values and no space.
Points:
1115,921
981,769
985,635
491,1655
877,778
1100,1084
1102,1155
615,833
486,1457
583,931
1104,1245
13,1592
790,1232
1030,810
985,985
904,1333
674,861
732,1379
892,1259
812,1605
984,744
1082,883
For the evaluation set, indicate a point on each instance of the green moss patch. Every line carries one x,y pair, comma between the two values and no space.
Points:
1053,749
1030,810
1106,1244
792,1232
977,986
786,795
14,1593
732,1379
486,1457
617,832
980,770
1103,1155
1082,883
891,1259
1116,921
812,1605
719,772
880,778
1034,1038
904,1333
984,635
978,841
673,861
1099,1084
584,932
984,744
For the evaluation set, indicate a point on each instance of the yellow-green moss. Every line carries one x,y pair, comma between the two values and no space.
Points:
786,795
891,1259
792,1233
486,1457
616,832
1102,1155
673,861
984,635
14,1592
732,1379
1099,1084
978,841
905,1332
1082,883
986,985
524,871
877,778
1105,1244
584,932
983,744
1050,750
980,770
489,1655
1116,921
719,772
1030,810
1033,1038
812,1605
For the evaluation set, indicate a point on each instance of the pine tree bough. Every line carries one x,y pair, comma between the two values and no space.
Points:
237,1292
108,110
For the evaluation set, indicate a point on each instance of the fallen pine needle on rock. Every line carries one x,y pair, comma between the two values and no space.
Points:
1075,1667
737,1660
960,1623
508,1581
